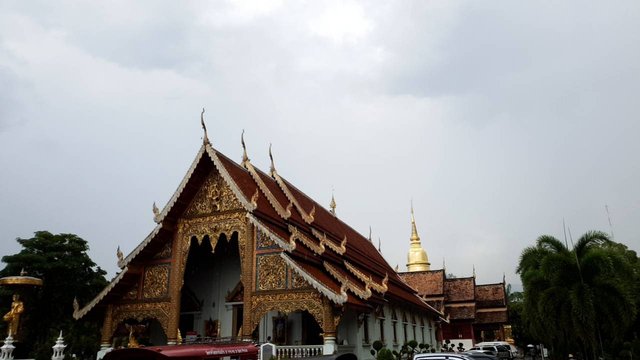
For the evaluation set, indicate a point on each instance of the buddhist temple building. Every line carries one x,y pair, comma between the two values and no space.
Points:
475,313
241,253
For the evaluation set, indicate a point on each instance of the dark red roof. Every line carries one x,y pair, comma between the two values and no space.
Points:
490,295
492,317
427,283
459,289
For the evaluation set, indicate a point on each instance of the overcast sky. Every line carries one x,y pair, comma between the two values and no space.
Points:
498,118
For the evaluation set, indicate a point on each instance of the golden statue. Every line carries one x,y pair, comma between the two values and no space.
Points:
133,342
13,316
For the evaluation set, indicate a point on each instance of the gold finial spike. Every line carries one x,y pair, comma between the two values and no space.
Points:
245,158
414,230
332,205
205,139
272,169
417,257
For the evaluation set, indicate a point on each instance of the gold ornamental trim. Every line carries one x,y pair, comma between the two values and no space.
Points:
364,294
287,302
308,217
324,239
381,288
286,245
296,234
20,280
330,294
141,311
122,263
284,213
79,313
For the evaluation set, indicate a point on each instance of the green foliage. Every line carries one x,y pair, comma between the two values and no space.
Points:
67,271
577,300
385,354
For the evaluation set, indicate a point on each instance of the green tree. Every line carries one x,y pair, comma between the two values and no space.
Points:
577,299
68,272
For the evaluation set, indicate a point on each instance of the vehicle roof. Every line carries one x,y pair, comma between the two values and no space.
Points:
441,356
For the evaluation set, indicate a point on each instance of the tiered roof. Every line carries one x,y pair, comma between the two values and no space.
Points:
334,258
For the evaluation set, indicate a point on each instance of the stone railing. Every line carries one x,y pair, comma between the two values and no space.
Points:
298,351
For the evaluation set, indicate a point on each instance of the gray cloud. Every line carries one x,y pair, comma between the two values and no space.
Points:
498,120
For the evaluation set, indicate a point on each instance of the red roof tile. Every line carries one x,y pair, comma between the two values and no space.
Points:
459,289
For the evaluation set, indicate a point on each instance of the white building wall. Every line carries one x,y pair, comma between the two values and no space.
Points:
362,349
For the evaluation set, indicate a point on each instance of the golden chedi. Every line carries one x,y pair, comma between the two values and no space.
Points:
417,259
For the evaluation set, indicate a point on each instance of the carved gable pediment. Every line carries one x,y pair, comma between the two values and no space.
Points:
214,196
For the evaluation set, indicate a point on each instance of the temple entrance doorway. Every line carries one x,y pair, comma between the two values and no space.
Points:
295,328
210,276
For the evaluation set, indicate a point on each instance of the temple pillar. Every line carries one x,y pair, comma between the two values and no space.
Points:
329,346
247,268
328,329
175,287
107,328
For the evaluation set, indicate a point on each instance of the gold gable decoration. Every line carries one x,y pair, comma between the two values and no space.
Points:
214,196
272,272
156,280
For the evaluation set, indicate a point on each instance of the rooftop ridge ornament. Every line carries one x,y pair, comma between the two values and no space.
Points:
332,205
308,217
120,256
156,213
245,158
205,139
272,169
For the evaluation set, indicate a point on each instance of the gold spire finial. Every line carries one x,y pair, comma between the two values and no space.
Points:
414,230
205,139
417,258
245,158
272,169
332,205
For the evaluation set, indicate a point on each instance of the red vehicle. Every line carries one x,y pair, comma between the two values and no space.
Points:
239,351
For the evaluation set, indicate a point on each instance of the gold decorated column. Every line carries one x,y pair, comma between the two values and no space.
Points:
175,286
247,268
107,328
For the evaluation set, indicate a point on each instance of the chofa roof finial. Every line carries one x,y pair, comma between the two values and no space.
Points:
245,158
205,139
272,169
332,205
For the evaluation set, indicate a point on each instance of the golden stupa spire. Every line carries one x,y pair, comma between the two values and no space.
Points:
417,259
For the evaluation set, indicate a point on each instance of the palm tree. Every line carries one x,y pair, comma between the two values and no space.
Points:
576,299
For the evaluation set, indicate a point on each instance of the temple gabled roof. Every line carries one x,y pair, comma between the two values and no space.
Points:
459,289
429,283
335,259
491,295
